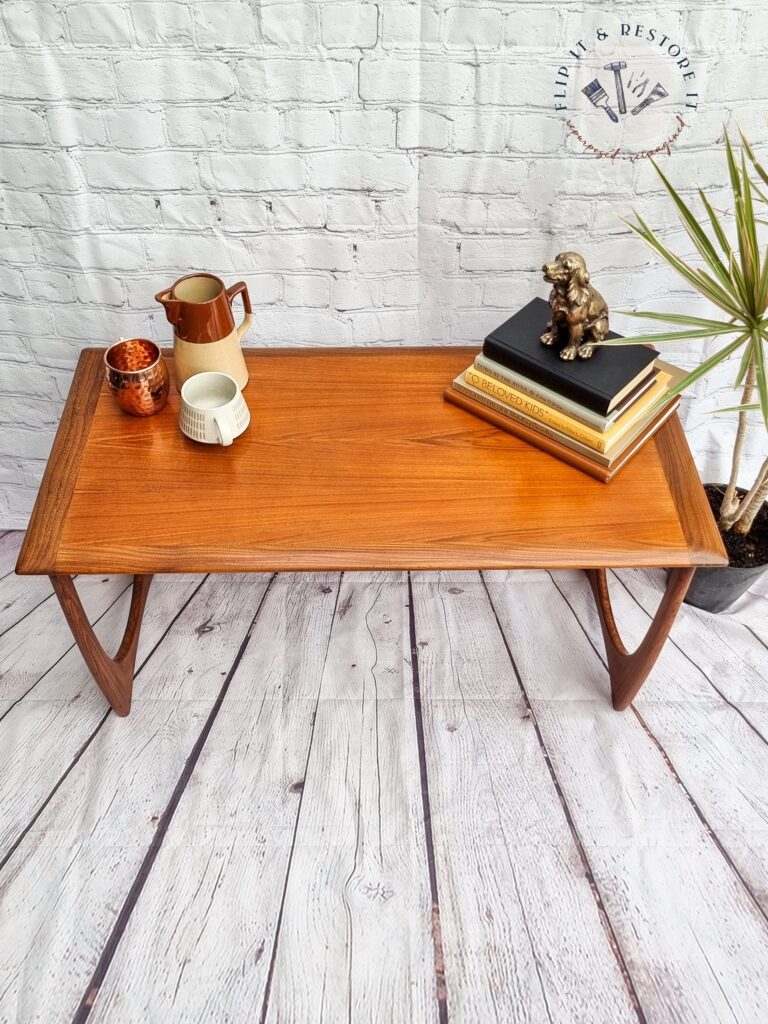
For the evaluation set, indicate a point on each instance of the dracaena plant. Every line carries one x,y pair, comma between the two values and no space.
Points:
735,279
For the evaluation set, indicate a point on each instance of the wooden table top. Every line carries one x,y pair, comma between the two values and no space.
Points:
353,460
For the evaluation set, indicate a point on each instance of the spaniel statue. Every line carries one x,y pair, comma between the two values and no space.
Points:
579,313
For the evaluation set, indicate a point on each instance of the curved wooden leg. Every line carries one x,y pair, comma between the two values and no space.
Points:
628,671
113,675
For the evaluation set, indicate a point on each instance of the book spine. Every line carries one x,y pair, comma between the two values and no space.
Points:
537,410
541,375
542,394
504,410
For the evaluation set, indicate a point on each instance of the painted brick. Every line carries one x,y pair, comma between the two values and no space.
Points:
47,285
308,127
245,213
390,325
37,77
105,24
384,255
199,251
463,214
18,243
173,79
224,25
395,80
33,23
291,24
409,26
353,293
201,127
77,126
479,132
306,290
161,169
299,211
360,170
36,168
20,124
82,212
300,327
133,210
347,26
312,81
25,208
136,128
422,129
400,291
472,28
495,254
11,282
187,210
162,23
399,214
527,27
302,252
25,318
254,172
518,84
254,128
119,252
350,213
472,174
264,289
99,289
369,128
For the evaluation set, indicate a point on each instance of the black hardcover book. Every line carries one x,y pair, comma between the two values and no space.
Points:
598,383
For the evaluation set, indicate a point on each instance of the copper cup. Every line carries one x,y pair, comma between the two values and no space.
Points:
137,376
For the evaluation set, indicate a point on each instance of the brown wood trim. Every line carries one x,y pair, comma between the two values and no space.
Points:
114,676
698,524
41,543
629,670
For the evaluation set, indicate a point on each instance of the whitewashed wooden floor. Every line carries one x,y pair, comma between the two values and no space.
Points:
382,798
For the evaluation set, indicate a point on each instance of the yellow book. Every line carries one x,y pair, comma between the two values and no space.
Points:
538,410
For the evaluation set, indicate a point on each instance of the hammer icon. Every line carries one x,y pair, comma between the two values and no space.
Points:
616,67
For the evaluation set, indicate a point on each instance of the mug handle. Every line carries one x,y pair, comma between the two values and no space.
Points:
225,431
241,288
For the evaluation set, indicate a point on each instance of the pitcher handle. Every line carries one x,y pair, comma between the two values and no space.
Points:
241,288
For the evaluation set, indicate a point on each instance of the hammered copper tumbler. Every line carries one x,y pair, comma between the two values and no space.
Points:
137,376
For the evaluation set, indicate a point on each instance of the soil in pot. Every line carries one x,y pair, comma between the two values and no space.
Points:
745,551
717,589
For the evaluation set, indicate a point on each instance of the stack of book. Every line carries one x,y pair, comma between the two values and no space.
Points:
593,413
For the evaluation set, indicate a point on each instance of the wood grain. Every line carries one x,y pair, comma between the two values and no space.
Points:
59,715
43,536
674,900
358,911
510,876
91,855
353,460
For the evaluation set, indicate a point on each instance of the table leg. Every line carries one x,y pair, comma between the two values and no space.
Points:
628,671
114,676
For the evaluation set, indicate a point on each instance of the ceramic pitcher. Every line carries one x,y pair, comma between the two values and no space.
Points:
204,333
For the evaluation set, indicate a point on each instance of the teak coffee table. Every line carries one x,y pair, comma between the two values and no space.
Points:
352,461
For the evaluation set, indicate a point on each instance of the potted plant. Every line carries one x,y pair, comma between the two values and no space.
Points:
734,279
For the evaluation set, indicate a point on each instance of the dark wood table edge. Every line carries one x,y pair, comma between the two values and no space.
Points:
114,675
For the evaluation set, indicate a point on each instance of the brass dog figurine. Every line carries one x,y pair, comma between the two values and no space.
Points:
579,313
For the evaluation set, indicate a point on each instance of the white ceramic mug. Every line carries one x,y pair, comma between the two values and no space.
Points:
212,409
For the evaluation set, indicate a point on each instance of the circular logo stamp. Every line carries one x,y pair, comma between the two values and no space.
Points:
628,91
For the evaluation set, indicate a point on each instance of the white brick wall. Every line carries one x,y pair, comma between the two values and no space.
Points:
377,172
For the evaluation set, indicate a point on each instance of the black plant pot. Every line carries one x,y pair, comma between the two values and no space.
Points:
717,589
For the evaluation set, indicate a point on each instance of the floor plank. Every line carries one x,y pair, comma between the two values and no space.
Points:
19,595
33,646
199,945
712,746
358,909
65,885
10,545
523,936
693,939
61,713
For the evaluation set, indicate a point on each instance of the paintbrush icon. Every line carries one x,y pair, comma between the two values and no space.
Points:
595,93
